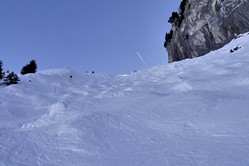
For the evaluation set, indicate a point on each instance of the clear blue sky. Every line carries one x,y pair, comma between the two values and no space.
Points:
99,35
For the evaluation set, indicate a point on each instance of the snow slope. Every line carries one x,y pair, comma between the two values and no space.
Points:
189,113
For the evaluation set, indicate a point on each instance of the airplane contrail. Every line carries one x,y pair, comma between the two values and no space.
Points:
141,58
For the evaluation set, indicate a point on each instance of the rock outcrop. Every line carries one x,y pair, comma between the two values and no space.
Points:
205,25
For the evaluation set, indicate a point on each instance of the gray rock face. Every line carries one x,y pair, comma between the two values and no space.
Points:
207,25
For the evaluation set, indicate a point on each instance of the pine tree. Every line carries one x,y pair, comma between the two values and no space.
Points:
174,16
29,68
182,6
11,78
1,70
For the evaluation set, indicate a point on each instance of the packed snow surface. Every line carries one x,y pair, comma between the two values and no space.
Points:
189,113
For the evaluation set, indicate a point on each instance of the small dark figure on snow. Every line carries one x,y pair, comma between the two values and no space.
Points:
71,78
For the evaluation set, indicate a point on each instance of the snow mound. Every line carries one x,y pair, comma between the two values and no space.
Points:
56,111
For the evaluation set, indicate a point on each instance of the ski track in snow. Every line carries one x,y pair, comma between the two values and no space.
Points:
193,112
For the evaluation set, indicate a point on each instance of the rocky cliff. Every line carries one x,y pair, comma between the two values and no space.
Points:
205,25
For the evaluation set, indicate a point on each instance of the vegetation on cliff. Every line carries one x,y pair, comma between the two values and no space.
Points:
175,19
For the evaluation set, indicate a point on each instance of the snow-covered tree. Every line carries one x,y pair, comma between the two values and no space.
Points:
29,68
1,70
11,78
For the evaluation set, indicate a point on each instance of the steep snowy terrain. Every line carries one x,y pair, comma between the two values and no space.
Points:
193,112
